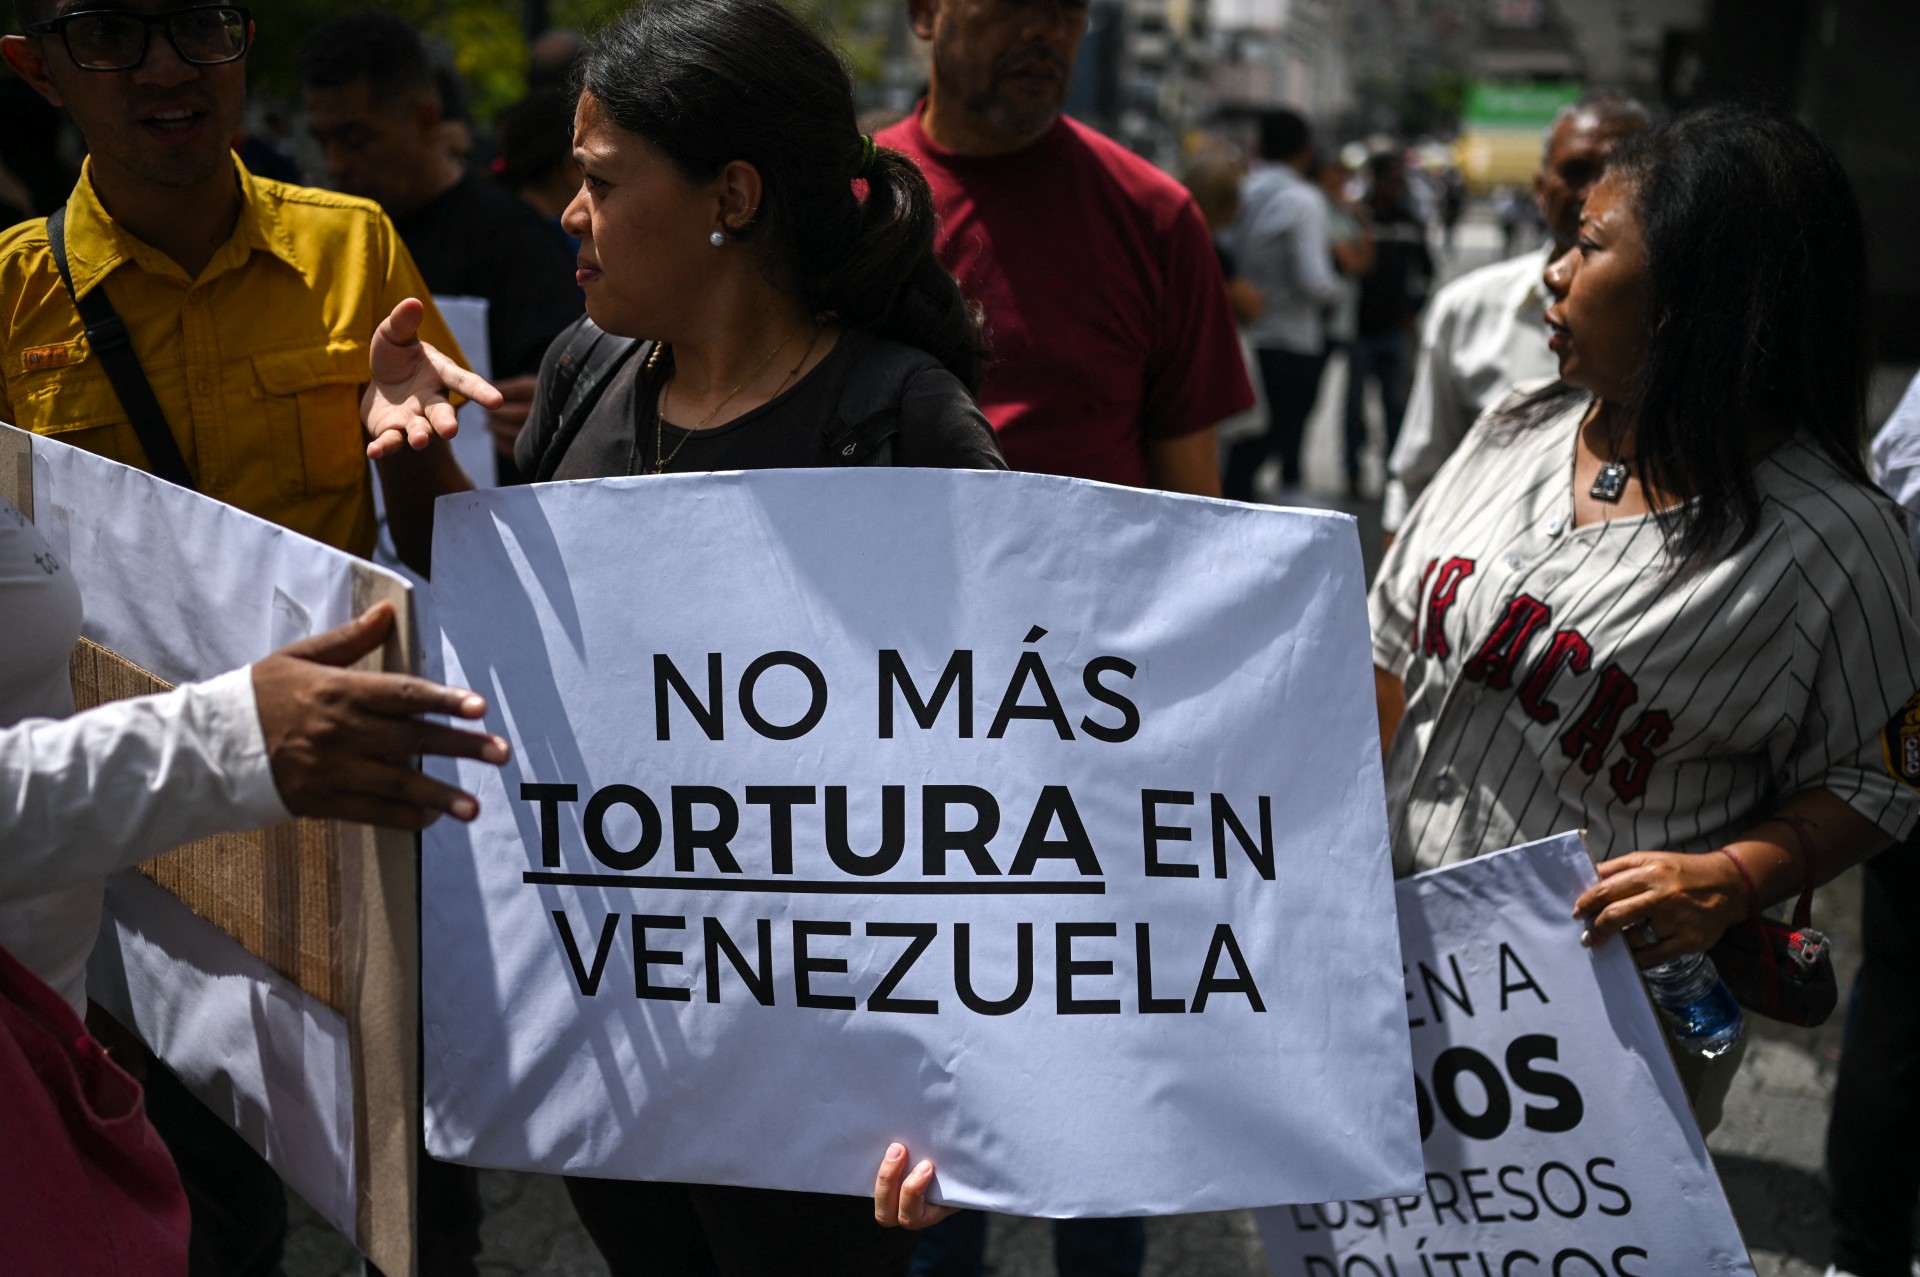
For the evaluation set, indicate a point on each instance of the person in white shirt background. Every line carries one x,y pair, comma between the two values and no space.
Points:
1281,247
1487,330
1350,241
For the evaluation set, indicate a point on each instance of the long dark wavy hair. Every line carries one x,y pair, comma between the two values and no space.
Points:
713,81
1756,323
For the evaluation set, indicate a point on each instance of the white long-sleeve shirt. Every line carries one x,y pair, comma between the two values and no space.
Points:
84,795
1896,459
1484,333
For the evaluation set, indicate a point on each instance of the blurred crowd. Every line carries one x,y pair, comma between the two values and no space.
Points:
1641,583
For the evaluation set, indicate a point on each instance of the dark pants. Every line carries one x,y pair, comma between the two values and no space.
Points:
957,1247
703,1230
239,1206
1292,383
1873,1142
1386,359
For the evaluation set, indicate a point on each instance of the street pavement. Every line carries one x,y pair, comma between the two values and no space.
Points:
1769,1148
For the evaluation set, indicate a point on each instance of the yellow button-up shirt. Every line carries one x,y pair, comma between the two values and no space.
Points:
257,364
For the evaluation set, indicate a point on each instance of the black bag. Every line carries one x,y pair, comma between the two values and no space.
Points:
861,432
1783,971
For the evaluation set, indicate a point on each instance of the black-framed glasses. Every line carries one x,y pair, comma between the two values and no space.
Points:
115,40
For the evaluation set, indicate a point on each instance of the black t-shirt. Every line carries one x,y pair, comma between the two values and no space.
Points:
939,426
1392,293
477,240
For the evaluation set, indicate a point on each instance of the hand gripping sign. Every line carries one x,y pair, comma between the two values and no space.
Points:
1033,822
1558,1140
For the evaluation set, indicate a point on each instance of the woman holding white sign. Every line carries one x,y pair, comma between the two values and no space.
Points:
1659,599
746,309
750,307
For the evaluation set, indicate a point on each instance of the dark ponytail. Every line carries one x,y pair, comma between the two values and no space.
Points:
713,81
890,282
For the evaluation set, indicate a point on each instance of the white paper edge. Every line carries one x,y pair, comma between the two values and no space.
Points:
203,1001
199,1000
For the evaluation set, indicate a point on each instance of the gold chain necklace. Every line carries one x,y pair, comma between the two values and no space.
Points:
799,363
660,410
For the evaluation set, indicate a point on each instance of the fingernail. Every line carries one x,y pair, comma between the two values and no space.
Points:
474,705
896,1151
465,808
495,751
924,1170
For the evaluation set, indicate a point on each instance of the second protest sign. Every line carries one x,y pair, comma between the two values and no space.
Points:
1558,1139
1032,822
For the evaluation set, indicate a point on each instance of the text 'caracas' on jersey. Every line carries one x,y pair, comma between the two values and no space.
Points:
1561,678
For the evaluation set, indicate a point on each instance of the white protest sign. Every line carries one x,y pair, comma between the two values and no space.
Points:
1034,822
473,445
315,1073
1558,1139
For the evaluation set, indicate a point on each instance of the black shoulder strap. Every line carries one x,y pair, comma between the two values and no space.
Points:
867,418
589,362
861,432
108,338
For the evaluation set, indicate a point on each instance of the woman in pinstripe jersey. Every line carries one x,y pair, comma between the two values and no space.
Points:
1659,599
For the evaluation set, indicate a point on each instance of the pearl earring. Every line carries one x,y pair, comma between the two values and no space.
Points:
717,239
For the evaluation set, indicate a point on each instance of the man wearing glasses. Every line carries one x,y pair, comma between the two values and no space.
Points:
249,304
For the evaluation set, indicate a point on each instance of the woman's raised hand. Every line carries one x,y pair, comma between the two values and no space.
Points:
900,1196
405,404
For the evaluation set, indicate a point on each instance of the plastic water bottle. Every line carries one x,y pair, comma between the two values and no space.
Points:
1701,1015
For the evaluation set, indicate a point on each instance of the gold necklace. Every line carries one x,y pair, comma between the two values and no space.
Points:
660,410
799,363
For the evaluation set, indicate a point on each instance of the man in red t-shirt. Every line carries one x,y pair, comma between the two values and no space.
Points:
1113,347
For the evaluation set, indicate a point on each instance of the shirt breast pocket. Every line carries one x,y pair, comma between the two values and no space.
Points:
311,398
77,405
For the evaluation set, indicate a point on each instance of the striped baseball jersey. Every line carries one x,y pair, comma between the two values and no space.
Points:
1560,677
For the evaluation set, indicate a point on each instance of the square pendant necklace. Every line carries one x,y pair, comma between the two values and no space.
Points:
1611,483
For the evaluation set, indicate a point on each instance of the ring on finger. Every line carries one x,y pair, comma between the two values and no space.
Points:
1642,935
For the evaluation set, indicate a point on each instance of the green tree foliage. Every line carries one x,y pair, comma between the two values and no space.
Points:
484,34
857,26
1428,106
489,46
